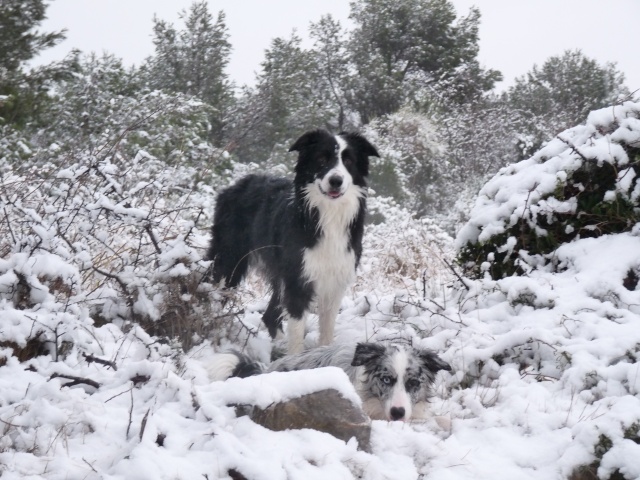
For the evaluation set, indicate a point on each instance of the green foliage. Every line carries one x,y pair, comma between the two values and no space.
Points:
192,61
596,214
597,192
19,42
285,102
400,47
561,93
23,94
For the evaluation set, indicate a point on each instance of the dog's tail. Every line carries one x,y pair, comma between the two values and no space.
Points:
232,364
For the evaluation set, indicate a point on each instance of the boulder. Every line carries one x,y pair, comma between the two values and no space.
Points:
325,410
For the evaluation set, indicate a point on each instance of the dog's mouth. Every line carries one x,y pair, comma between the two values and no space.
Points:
332,193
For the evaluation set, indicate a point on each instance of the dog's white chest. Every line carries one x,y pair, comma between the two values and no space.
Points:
330,266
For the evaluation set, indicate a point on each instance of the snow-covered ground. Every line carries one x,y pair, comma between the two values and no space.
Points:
545,374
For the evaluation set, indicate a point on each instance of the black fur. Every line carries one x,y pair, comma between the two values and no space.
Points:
268,220
367,353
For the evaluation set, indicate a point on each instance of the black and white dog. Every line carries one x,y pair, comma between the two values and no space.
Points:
394,381
304,235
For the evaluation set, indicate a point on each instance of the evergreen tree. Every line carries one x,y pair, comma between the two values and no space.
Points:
83,106
332,60
23,93
193,61
402,47
287,100
103,110
561,93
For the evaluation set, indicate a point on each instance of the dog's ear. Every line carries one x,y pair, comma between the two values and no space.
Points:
366,352
360,144
432,362
310,138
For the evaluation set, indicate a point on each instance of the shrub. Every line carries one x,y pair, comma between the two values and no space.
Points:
582,184
105,238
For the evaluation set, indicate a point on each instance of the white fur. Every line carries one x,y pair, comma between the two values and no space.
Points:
338,171
399,396
330,265
222,367
295,334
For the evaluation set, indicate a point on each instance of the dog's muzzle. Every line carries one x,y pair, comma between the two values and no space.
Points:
335,187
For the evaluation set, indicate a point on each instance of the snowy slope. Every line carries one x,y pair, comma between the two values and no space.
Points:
545,375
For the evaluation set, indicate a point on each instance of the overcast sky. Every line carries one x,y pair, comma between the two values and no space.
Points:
514,34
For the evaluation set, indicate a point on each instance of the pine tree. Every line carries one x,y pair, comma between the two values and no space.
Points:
287,100
83,106
401,48
103,110
561,93
332,61
23,93
193,61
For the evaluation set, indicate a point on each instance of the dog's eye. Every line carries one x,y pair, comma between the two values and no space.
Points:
347,160
387,380
413,384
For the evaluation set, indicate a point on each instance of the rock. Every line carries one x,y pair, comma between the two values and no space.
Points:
325,411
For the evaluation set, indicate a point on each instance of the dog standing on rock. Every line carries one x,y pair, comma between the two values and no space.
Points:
304,236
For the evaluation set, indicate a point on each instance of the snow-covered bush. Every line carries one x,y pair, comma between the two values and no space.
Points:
103,108
410,167
403,253
108,238
13,147
584,183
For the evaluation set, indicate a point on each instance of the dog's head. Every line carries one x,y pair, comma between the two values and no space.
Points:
334,164
396,377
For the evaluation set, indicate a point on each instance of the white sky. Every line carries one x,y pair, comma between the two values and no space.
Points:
514,34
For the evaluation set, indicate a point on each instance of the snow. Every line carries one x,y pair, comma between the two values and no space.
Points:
525,189
527,416
545,373
275,387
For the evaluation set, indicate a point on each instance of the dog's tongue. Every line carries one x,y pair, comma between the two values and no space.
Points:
335,194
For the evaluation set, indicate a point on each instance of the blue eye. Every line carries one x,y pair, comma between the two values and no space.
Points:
386,380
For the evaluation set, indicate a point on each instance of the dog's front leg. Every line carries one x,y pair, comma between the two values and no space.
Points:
327,321
295,334
328,308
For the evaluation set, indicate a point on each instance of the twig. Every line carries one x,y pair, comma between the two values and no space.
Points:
91,359
123,285
143,425
456,274
195,222
117,395
75,380
153,238
90,466
130,413
573,147
10,424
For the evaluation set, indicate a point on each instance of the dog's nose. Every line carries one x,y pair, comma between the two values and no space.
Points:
335,181
397,413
